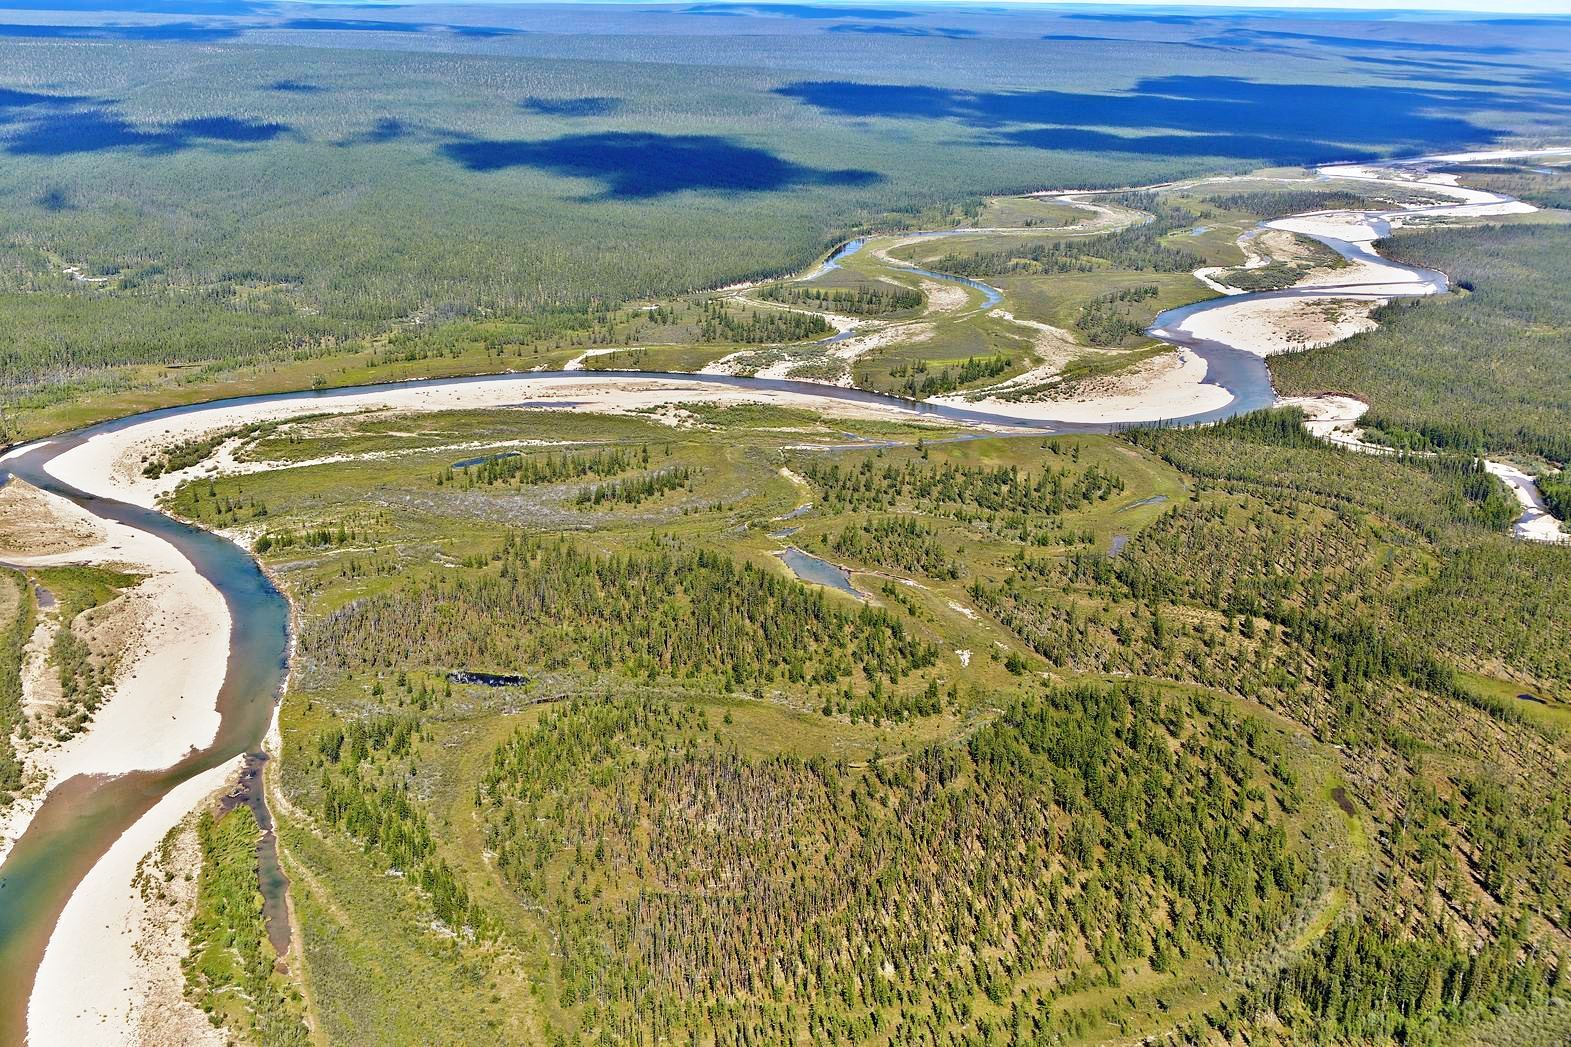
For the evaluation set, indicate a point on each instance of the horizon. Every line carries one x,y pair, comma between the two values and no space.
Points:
1554,8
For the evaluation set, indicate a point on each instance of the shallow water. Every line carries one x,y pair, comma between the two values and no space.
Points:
272,882
82,817
810,568
487,679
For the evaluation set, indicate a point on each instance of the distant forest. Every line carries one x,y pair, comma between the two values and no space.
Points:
263,197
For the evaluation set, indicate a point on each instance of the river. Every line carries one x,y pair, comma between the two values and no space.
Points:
83,816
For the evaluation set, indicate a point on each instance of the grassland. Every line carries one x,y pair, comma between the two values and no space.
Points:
82,667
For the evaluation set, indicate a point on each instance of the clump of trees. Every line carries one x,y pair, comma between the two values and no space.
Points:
1276,203
1107,318
1085,830
863,300
666,611
899,542
1005,500
723,323
634,490
528,469
1135,250
921,381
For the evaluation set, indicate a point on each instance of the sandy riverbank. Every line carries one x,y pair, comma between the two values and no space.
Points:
103,981
1159,389
110,464
162,701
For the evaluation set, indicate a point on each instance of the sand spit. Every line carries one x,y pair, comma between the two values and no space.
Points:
577,362
99,982
1268,326
1160,388
163,699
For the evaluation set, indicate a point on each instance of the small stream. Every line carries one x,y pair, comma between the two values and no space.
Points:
991,295
271,881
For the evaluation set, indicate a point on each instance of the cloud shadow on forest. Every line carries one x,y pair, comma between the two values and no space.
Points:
879,29
1280,122
588,105
199,31
641,166
1263,39
188,31
60,125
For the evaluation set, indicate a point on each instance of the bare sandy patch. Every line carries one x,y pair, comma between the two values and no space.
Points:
34,524
1268,326
1332,418
944,298
882,338
1161,388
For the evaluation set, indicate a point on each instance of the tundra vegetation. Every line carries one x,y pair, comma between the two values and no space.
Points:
1212,736
1249,737
17,609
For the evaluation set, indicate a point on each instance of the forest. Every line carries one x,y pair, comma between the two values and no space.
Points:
666,611
833,904
1500,337
858,301
716,723
1033,785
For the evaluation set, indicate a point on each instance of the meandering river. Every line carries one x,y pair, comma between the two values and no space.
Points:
83,816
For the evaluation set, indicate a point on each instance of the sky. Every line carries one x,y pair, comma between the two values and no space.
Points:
1477,7
1493,7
